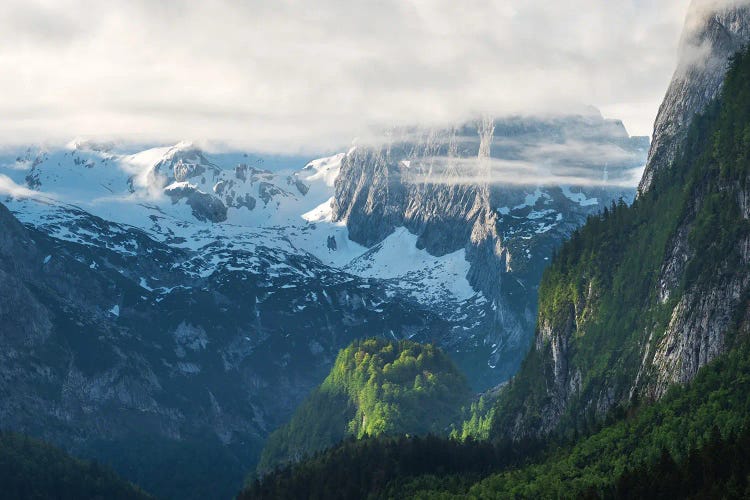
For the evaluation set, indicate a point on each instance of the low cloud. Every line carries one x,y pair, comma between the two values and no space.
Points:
494,171
695,49
10,188
294,75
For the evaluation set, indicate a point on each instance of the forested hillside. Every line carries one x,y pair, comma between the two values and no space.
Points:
643,296
376,387
696,426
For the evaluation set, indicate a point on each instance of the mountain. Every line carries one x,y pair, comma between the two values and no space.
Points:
503,192
711,36
376,387
118,364
172,300
638,377
452,232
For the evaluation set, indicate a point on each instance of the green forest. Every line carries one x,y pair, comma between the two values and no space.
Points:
688,423
376,387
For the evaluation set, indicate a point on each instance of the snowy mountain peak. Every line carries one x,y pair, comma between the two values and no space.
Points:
391,218
323,169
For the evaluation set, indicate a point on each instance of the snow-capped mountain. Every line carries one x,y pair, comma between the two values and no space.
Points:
215,207
416,214
500,193
208,293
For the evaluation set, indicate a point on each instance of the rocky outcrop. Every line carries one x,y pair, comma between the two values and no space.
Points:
711,37
705,312
204,206
184,162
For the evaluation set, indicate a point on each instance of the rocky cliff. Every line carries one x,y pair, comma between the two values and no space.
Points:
710,38
643,297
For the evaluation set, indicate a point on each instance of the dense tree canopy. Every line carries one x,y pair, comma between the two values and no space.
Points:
376,387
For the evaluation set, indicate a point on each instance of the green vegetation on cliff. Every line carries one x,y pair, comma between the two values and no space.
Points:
600,298
687,425
376,387
718,400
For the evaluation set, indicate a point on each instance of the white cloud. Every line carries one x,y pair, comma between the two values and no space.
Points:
10,188
695,48
280,75
585,170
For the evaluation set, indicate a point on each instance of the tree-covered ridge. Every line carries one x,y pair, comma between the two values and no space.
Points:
31,469
689,425
477,420
604,293
683,421
376,387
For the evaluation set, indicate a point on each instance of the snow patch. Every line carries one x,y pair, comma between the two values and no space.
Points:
321,213
428,278
324,169
579,198
531,199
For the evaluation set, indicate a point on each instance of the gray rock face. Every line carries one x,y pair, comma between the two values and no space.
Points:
699,323
441,185
205,207
711,37
183,164
267,192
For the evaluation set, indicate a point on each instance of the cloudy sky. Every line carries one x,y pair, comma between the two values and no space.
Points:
309,75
